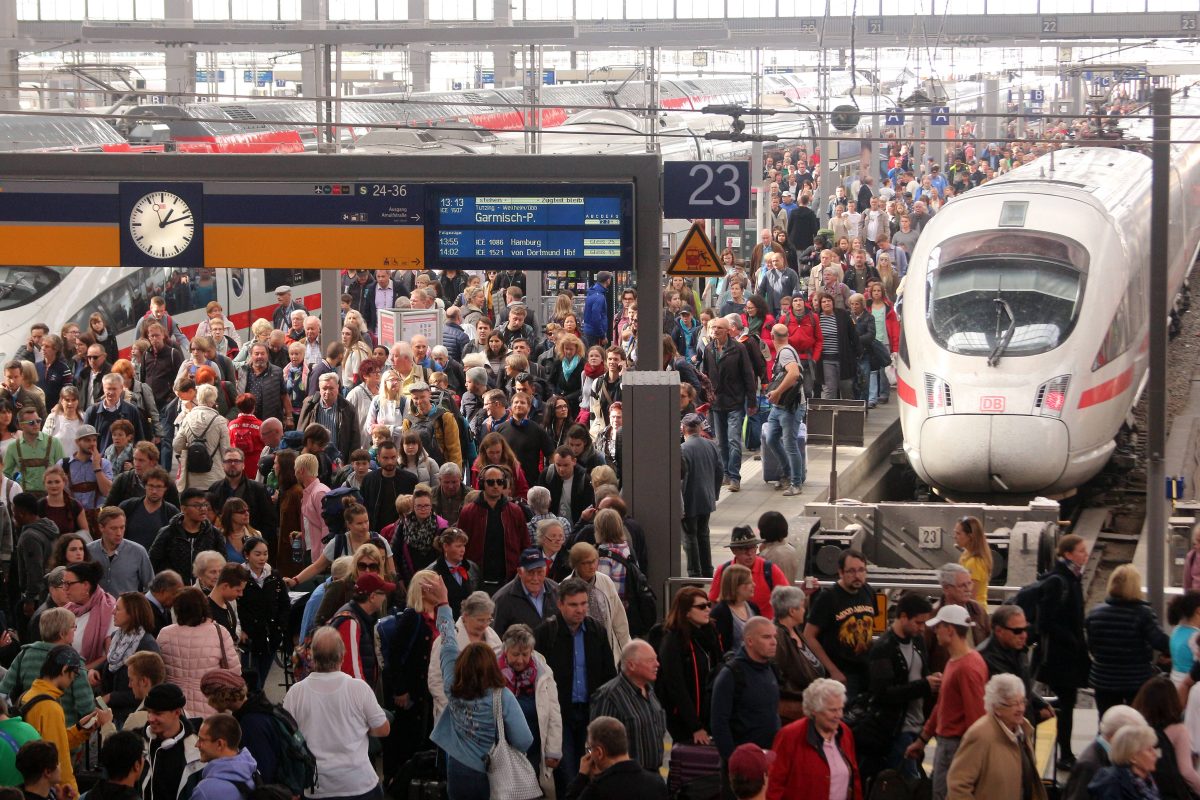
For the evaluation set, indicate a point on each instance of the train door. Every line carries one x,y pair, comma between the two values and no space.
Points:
234,288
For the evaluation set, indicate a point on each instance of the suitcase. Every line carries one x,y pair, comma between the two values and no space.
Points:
691,761
771,468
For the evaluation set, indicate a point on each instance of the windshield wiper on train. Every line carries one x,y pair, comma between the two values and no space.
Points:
1002,306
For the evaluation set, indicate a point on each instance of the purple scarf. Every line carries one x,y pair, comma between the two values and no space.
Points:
519,683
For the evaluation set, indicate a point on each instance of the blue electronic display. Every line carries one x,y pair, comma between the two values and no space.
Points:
515,225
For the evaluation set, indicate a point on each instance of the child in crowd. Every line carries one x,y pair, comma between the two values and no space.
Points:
120,452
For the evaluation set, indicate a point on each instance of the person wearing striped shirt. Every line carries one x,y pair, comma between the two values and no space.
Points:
630,697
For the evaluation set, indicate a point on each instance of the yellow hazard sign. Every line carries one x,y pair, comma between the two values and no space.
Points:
696,256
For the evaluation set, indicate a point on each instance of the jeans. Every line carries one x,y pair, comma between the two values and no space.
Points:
942,756
781,438
754,425
896,760
464,783
864,379
728,426
696,546
374,794
880,389
575,718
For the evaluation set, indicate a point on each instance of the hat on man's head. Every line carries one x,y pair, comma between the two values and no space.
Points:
952,615
84,431
532,558
785,193
370,582
418,386
65,656
285,289
744,536
164,697
750,762
217,679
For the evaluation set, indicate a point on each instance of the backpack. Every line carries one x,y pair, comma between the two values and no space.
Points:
386,631
729,662
643,605
297,769
1030,596
333,505
708,394
302,664
768,573
241,438
197,457
23,712
426,430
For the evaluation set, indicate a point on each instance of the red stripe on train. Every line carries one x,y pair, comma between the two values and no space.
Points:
906,393
1107,390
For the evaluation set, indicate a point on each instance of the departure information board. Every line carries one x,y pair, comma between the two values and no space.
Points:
587,226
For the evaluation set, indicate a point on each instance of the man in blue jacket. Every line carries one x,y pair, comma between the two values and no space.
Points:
229,771
745,698
595,311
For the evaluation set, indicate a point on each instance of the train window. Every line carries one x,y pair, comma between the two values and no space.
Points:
1017,303
20,286
125,302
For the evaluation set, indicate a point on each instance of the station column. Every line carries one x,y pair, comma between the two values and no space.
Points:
503,67
420,60
180,62
9,66
991,110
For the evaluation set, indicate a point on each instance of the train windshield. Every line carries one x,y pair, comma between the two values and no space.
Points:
1005,293
20,286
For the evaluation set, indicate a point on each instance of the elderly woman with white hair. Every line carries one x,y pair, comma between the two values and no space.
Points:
207,429
531,681
1095,756
474,625
995,758
549,532
604,603
798,666
815,758
1134,754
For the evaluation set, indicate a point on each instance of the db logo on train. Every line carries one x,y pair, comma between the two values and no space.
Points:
991,404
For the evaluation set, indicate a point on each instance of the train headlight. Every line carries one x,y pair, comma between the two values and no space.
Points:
1051,396
937,396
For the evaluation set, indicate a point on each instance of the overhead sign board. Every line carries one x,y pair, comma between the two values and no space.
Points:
894,117
696,256
706,189
939,115
351,224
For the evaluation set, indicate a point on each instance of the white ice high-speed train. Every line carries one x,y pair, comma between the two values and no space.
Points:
1025,318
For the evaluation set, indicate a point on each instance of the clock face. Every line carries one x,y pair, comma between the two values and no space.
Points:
162,225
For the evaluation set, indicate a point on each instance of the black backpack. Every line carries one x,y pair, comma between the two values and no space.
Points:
197,457
297,768
1030,596
643,605
425,429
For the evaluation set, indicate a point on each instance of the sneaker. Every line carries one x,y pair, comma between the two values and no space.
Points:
871,405
781,484
735,486
883,401
1065,762
792,491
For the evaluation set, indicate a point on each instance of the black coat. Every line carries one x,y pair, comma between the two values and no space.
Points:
1062,651
513,607
582,495
1122,636
621,781
732,377
722,618
264,517
554,642
847,344
685,667
264,612
407,667
456,592
802,227
890,691
570,388
174,549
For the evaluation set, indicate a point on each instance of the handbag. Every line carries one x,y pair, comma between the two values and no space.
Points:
510,775
792,397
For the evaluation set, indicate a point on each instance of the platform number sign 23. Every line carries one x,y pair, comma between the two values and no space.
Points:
706,189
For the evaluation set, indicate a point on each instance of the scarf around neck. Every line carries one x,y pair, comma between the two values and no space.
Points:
569,365
593,371
122,646
100,608
519,683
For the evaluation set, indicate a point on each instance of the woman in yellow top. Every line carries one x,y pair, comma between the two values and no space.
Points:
977,556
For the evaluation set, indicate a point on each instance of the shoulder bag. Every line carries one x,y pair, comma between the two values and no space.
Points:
510,775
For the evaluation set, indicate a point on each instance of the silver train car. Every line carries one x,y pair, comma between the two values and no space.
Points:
1025,313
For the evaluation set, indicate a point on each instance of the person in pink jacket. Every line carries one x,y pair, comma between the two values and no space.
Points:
194,645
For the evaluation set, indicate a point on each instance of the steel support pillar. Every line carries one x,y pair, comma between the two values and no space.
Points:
1160,298
651,480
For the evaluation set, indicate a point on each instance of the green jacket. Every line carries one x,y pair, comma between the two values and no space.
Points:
78,701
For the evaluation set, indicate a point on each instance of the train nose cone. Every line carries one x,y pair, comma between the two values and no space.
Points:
991,453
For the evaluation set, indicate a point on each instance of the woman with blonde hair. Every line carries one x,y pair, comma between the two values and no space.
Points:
405,676
564,304
353,317
566,373
357,351
1123,633
734,607
604,475
388,407
260,333
612,544
977,555
29,379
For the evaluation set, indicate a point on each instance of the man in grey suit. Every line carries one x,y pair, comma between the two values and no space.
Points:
702,473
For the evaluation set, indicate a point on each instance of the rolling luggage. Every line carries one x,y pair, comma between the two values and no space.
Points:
689,762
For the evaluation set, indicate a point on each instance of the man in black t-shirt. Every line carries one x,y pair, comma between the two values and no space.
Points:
145,516
840,624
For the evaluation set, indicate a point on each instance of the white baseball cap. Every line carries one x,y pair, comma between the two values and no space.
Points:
952,615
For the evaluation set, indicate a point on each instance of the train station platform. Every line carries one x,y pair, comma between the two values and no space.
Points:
757,496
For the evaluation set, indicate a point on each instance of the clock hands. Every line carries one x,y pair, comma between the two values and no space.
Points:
169,221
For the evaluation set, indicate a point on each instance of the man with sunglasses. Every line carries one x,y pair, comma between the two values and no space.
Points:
497,529
31,452
1005,652
90,381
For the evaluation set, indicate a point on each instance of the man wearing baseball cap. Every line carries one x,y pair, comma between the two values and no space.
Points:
172,754
89,475
748,767
355,623
529,598
960,699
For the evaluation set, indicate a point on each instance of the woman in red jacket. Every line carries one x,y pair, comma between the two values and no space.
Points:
887,333
815,757
804,334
